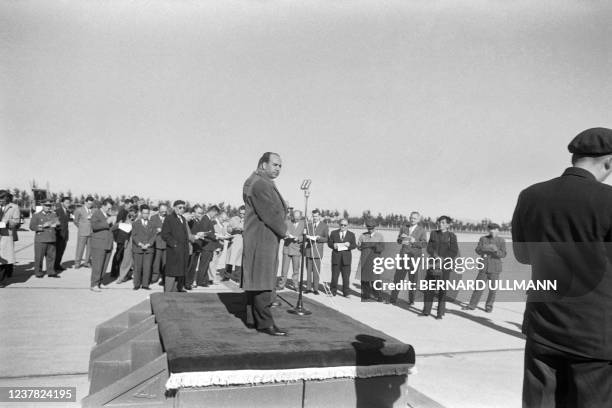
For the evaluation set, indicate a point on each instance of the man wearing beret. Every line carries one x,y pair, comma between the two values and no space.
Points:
45,224
563,229
492,248
264,227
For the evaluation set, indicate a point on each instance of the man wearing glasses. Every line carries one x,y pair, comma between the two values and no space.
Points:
342,242
176,234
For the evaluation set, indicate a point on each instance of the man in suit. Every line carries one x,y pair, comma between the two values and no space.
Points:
292,250
234,249
317,235
492,248
342,242
175,232
207,243
101,242
159,261
82,220
45,224
413,239
197,212
143,246
63,214
563,229
264,227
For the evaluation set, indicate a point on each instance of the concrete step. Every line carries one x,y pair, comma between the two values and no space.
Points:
105,373
122,321
119,344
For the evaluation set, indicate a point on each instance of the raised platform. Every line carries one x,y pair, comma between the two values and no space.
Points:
213,359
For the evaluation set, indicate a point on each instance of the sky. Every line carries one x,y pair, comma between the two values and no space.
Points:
446,107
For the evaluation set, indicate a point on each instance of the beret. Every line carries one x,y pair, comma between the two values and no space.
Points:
592,142
370,223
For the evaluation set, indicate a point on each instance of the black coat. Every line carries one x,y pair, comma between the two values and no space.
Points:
264,226
563,229
341,257
175,234
64,219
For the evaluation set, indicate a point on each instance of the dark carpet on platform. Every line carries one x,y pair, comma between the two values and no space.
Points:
207,332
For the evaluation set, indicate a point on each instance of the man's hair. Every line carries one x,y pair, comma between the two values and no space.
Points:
265,158
316,211
195,207
162,205
144,207
242,207
445,217
133,208
214,207
89,198
178,202
128,200
108,201
64,198
576,157
415,212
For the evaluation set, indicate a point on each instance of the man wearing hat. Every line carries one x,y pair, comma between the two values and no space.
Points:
44,225
563,229
492,248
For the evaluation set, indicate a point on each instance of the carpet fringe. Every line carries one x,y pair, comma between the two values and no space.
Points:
255,377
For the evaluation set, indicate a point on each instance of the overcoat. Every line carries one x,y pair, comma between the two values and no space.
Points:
175,234
264,226
563,229
371,247
101,237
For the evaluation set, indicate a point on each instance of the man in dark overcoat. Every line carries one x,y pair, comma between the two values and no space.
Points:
563,229
175,232
264,227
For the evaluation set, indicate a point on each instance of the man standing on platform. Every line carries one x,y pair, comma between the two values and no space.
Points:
342,242
143,245
63,214
176,234
317,235
82,220
563,229
264,227
101,242
413,238
194,259
292,250
44,224
159,262
492,248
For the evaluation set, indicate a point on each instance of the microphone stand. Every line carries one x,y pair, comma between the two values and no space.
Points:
299,307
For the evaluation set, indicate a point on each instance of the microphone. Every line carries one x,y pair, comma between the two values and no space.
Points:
305,184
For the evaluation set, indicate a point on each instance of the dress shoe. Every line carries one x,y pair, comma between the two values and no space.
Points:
183,291
95,289
77,266
40,276
346,296
489,309
423,314
86,265
188,287
145,288
410,303
60,269
273,331
438,317
315,292
135,288
307,291
275,304
225,279
468,308
53,276
102,287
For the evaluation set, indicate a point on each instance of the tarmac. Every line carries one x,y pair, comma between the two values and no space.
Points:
468,359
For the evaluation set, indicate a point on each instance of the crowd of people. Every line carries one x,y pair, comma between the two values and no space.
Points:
136,240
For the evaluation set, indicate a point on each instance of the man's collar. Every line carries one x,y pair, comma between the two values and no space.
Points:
579,172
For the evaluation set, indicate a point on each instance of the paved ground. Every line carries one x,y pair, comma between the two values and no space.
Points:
47,327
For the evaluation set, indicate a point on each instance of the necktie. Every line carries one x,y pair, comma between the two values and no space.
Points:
342,236
144,222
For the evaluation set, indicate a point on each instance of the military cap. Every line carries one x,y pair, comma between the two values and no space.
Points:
592,142
493,226
370,223
47,202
